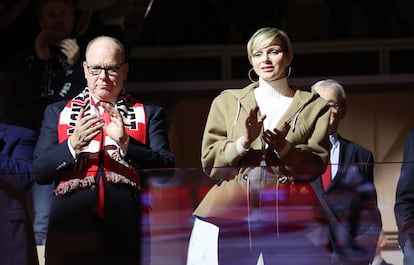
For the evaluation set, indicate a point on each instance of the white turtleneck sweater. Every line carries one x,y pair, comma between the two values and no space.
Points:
271,102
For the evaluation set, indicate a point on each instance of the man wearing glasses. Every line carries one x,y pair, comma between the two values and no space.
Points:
346,191
91,148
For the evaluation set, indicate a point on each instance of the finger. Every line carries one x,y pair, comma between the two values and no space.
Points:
93,122
268,136
91,133
253,113
68,43
81,114
284,131
276,132
65,46
262,118
112,110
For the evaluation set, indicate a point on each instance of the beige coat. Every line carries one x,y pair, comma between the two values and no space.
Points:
308,116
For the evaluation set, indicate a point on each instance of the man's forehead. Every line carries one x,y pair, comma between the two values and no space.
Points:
102,53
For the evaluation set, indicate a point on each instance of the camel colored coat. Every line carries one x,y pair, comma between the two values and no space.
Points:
237,175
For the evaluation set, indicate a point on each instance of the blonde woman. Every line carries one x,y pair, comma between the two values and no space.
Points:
264,144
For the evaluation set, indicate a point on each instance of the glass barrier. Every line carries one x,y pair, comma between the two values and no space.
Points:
280,216
187,216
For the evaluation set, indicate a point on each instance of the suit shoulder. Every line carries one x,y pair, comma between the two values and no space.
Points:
57,105
356,146
17,129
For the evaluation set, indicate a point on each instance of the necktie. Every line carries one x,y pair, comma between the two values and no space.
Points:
327,176
101,194
106,117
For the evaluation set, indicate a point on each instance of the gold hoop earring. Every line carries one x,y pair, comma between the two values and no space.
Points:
250,76
289,71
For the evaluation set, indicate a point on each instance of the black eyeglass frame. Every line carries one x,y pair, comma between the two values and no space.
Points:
109,70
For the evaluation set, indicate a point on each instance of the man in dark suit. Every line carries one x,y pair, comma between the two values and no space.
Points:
404,201
17,243
91,147
347,192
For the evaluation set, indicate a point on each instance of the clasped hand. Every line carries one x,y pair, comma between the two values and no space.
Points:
89,126
276,139
254,127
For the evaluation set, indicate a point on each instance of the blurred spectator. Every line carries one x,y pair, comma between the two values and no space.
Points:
54,61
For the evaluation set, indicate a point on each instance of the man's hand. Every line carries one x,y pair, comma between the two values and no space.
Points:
86,128
116,128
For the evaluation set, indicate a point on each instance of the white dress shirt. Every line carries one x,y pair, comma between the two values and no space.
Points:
333,138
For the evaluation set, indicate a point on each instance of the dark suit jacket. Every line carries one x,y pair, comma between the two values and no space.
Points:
404,201
17,245
52,159
351,203
73,217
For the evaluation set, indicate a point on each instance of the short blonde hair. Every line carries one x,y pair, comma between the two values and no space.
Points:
264,36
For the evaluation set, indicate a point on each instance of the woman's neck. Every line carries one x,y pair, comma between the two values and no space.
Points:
280,85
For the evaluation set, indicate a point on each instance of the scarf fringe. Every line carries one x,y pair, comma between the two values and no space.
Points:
74,184
88,182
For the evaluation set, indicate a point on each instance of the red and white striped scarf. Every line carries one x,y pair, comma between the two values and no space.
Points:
86,166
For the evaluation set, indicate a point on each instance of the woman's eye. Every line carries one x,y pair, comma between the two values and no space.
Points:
276,51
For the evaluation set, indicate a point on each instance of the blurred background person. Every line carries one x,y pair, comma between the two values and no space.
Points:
17,242
404,201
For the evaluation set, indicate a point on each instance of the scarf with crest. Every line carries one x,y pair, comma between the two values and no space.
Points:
102,152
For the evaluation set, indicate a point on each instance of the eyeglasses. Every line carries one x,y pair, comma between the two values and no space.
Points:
334,105
109,70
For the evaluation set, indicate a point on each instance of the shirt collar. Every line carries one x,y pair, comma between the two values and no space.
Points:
333,138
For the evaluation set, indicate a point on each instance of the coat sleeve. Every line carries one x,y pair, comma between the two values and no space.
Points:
16,158
50,157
